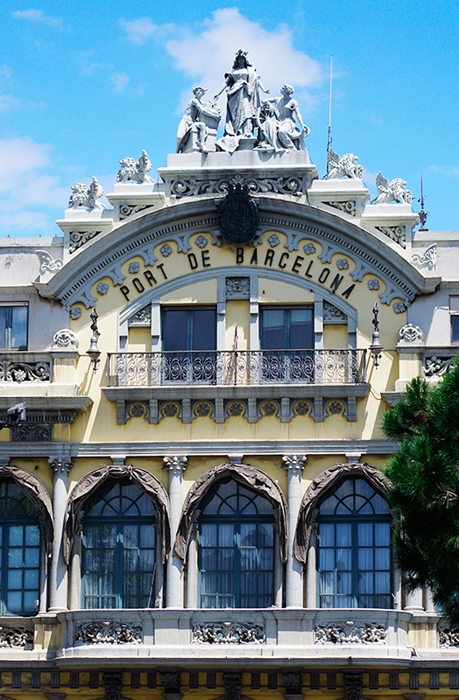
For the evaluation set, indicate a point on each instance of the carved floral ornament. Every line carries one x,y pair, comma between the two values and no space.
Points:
411,334
228,633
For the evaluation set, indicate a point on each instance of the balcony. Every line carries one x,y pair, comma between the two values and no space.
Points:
225,384
262,636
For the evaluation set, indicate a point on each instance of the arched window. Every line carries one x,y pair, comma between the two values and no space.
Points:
354,548
119,548
20,551
236,549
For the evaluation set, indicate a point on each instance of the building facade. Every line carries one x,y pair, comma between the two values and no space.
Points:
195,507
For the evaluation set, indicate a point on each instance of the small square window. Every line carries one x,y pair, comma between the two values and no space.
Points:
13,327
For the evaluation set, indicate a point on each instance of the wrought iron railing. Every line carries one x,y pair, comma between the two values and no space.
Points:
234,368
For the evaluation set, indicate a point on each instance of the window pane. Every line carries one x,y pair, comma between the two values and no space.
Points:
19,327
3,311
273,335
204,329
301,329
455,329
175,329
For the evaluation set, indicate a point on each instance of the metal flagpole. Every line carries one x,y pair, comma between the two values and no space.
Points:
329,142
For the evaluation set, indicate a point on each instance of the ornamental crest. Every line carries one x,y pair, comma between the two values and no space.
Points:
238,215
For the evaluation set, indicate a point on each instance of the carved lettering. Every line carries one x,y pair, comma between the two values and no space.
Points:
283,264
138,285
205,258
125,291
306,274
269,257
324,275
254,258
297,264
336,282
161,267
348,291
239,256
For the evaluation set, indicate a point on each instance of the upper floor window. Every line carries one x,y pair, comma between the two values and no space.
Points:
13,327
236,549
20,552
354,548
454,316
286,329
119,547
189,329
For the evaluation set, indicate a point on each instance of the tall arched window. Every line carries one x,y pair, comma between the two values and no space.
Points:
20,551
119,548
236,549
354,548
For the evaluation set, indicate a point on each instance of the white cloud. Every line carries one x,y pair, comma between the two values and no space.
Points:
8,102
120,81
448,170
206,54
26,188
38,17
139,31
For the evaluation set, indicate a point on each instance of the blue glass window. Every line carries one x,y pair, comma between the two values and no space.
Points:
288,330
189,341
119,549
236,549
354,548
13,327
20,552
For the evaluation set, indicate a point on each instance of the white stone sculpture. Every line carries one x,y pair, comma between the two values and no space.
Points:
135,170
393,191
200,120
343,166
411,334
289,135
84,196
242,86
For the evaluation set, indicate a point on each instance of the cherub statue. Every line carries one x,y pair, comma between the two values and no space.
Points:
84,196
393,191
343,166
135,170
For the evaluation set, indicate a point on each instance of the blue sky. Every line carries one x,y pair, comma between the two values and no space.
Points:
84,85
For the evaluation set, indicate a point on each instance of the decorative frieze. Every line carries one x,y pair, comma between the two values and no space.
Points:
24,371
426,259
348,206
141,318
47,262
448,637
32,433
331,314
18,637
108,632
237,287
77,239
350,632
395,233
127,210
228,633
192,187
435,366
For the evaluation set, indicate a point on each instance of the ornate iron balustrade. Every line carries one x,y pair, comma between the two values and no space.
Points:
235,368
25,367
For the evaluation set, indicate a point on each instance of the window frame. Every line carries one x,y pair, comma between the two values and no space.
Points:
354,520
236,519
9,328
119,521
454,314
287,327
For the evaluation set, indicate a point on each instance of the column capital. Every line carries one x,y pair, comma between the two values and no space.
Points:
294,463
175,465
60,465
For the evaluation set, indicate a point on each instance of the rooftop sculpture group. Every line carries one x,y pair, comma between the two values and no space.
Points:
273,124
267,125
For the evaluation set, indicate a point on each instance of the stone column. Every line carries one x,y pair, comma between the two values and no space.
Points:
413,601
311,573
174,591
294,465
58,577
192,570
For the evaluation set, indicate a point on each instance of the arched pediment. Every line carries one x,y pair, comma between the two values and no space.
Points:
106,255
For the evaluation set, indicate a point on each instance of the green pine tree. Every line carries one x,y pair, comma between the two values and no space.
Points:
423,483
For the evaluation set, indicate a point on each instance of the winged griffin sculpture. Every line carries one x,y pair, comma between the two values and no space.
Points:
86,196
393,191
343,166
135,170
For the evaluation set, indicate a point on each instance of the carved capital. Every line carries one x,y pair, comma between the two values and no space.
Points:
60,465
294,463
233,685
175,465
113,684
353,683
292,681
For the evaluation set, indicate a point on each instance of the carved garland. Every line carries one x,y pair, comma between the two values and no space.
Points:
228,633
108,632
